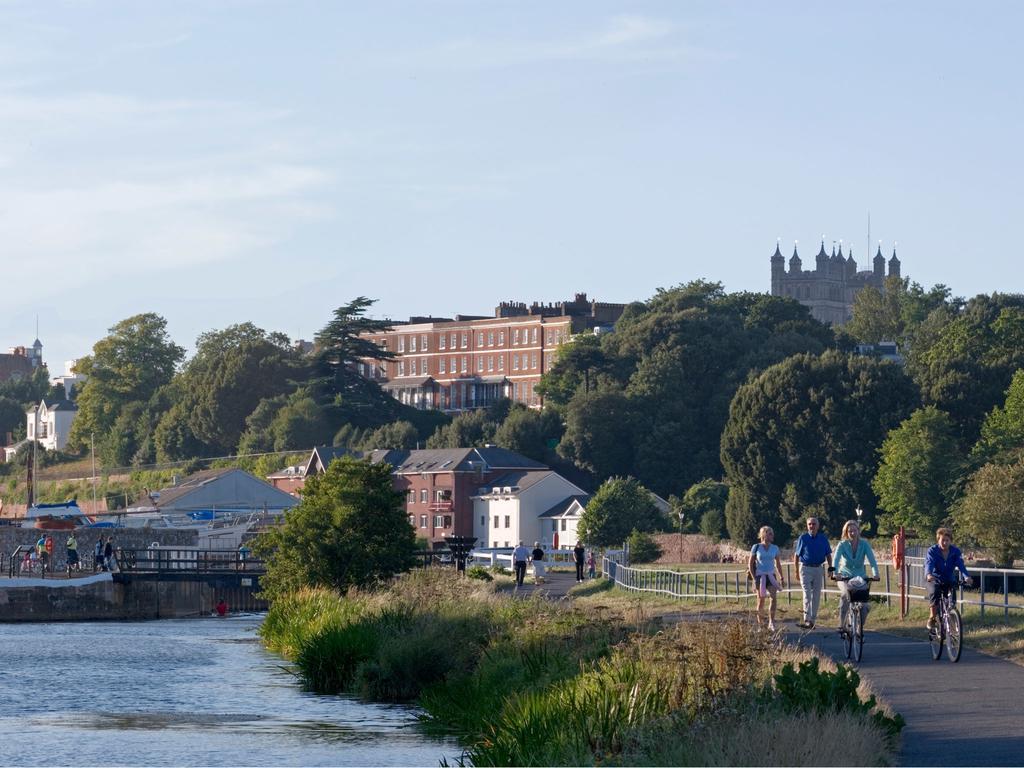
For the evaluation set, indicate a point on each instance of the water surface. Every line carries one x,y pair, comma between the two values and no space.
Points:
187,692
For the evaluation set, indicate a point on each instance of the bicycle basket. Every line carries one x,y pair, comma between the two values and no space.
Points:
860,595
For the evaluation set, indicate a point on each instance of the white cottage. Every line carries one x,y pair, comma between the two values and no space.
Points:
53,423
509,509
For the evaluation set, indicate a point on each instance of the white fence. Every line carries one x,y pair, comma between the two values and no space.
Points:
734,584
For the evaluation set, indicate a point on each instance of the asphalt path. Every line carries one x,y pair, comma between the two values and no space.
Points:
968,713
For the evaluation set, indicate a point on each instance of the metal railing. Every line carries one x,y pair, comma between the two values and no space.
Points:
735,584
201,561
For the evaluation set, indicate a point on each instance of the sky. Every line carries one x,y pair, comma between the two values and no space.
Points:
227,161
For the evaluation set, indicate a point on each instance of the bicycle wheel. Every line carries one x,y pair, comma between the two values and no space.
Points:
848,633
954,635
858,632
935,639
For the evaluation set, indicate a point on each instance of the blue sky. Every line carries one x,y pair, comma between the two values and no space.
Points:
218,162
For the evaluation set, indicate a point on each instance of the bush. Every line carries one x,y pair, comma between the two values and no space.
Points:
712,524
642,548
479,572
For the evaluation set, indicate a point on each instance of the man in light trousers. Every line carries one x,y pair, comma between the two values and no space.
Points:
811,554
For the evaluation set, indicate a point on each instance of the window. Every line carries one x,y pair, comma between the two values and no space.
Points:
411,496
506,545
423,342
501,362
412,520
490,339
483,520
440,365
564,523
412,343
454,364
412,367
554,525
423,521
447,521
465,364
465,340
515,362
495,521
423,495
401,368
534,366
515,336
501,338
480,338
480,364
515,390
425,366
490,362
534,335
438,521
442,343
508,521
494,544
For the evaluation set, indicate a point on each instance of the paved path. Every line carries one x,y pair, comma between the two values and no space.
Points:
957,714
555,587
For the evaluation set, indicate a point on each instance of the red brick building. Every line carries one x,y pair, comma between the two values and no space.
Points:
470,362
438,484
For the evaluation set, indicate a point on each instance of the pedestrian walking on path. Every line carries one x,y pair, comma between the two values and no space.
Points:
811,554
591,565
520,556
579,554
762,566
537,556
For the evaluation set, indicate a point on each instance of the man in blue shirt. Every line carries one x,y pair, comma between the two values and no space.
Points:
810,555
941,563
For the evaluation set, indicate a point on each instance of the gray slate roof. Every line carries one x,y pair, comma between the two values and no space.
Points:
519,481
453,460
563,506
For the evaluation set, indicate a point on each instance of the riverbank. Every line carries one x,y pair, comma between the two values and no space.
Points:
534,682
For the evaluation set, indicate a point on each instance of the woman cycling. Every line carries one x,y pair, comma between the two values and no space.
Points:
941,563
762,566
849,561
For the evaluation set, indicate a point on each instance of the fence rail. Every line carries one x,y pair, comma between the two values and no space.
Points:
735,585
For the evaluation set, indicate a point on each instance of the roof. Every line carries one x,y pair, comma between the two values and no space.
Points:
563,506
55,405
486,459
218,488
324,455
519,481
412,382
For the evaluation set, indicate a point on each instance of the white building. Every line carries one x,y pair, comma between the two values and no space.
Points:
510,508
53,422
561,522
69,379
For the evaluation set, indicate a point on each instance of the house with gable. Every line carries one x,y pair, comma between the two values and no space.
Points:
559,524
512,508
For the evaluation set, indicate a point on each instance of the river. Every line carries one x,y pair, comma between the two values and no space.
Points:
187,692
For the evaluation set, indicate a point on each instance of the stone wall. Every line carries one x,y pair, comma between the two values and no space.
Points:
124,538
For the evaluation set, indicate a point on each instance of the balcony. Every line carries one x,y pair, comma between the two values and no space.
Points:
442,506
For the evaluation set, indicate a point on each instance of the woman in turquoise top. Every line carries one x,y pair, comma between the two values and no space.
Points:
849,561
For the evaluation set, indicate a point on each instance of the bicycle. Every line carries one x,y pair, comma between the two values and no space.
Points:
949,627
852,633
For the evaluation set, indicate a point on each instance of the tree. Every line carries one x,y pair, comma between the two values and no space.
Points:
231,372
620,506
712,524
12,415
467,430
642,547
701,498
1002,432
350,529
529,432
600,432
397,435
805,434
992,510
920,471
578,366
127,366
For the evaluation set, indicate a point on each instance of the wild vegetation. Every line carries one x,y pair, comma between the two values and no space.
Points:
529,682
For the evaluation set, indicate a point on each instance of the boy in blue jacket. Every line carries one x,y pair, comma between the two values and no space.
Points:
941,563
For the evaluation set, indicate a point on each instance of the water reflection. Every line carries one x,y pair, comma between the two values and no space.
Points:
195,692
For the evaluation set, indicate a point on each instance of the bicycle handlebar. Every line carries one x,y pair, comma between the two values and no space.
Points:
847,578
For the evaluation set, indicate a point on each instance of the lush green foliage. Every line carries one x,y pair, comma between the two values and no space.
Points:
701,499
920,470
803,438
642,547
349,529
1002,432
620,506
991,511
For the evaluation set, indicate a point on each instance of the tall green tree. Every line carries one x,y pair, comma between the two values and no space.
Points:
529,432
620,507
1002,432
805,434
350,529
126,367
920,472
991,510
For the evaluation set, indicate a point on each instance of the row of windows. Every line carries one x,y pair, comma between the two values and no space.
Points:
443,494
520,336
497,520
440,521
413,367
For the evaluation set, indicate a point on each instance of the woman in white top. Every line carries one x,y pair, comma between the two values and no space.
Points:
763,564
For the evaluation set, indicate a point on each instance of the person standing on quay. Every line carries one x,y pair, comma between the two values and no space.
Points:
579,554
97,555
810,555
108,554
520,556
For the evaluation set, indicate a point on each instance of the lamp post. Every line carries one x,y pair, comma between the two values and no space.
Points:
860,514
682,517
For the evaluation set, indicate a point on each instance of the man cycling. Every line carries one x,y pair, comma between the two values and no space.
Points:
941,563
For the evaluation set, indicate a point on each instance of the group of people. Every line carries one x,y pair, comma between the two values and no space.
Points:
522,556
42,553
813,557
